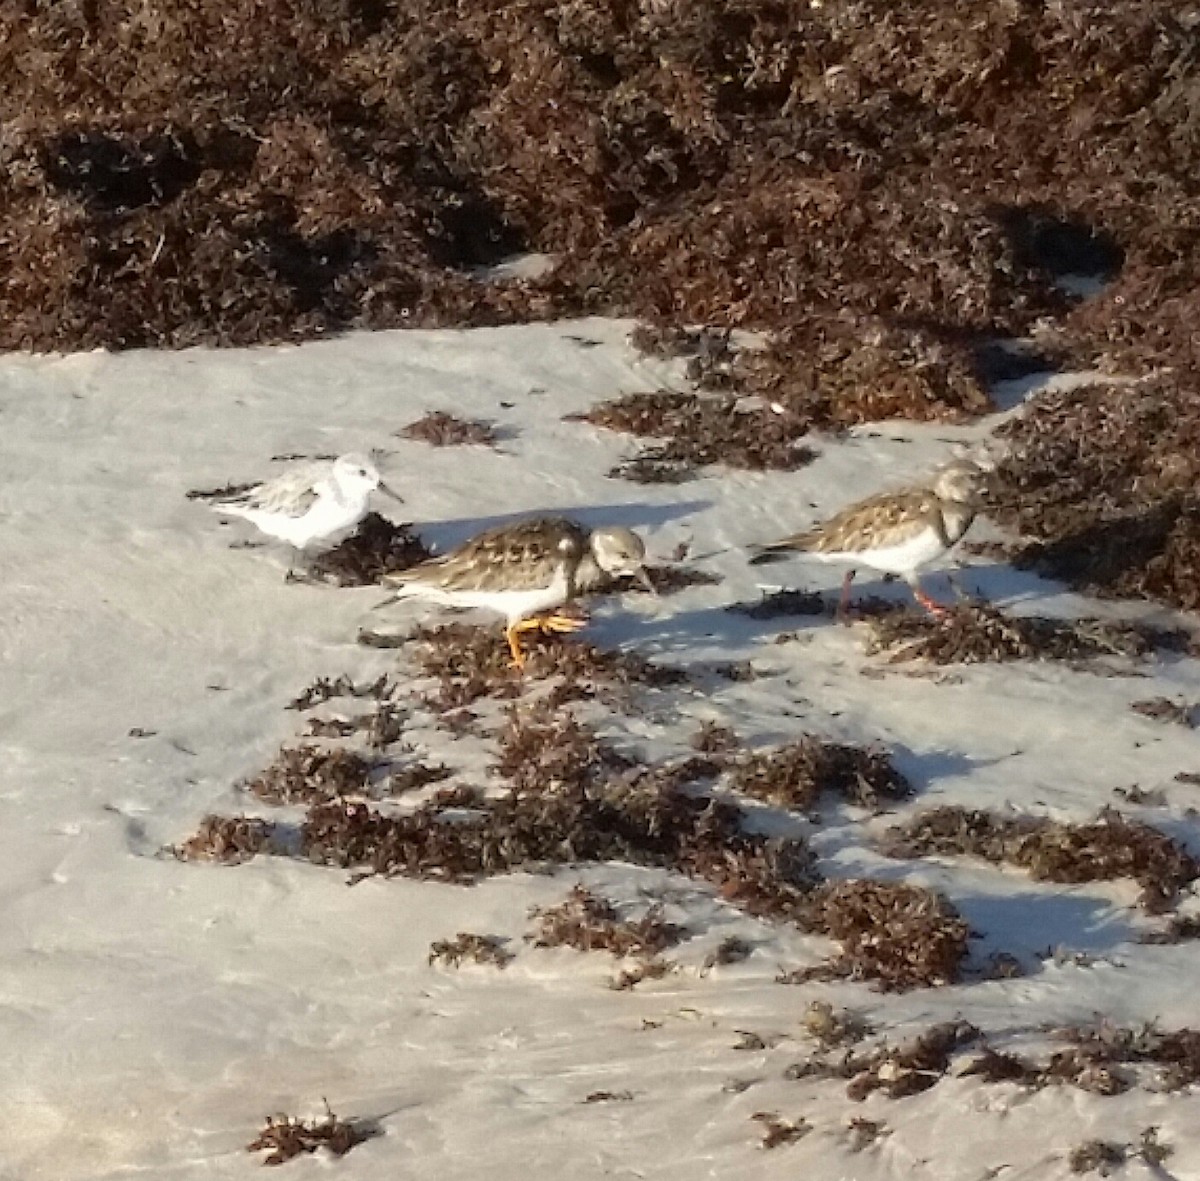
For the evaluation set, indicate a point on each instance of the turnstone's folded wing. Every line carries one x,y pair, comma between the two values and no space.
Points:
521,556
888,519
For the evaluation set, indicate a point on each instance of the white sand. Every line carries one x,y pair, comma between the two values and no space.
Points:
153,1012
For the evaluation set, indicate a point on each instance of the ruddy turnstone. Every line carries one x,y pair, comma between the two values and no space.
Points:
895,532
308,503
525,571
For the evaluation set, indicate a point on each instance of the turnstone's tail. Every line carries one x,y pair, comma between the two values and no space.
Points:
777,551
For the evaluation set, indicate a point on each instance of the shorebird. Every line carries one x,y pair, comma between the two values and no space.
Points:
306,504
525,571
895,532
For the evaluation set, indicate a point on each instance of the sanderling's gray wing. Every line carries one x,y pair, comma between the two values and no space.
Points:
290,494
521,556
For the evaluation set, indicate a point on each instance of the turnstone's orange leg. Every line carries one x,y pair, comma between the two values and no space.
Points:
562,624
931,605
844,601
543,623
512,634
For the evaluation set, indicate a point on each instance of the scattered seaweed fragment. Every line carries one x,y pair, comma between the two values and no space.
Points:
1098,1156
797,775
862,1133
376,548
1182,928
831,1028
778,1131
480,949
286,1137
588,922
713,738
1163,709
1097,1053
731,950
609,1097
440,429
415,776
913,1067
669,580
976,632
1110,847
219,493
324,689
629,978
382,727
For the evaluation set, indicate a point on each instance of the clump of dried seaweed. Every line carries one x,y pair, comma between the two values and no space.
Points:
703,346
376,548
440,429
704,429
574,800
975,632
588,922
783,603
897,935
229,839
480,949
717,173
797,775
471,662
286,1137
1103,480
309,774
544,749
1110,847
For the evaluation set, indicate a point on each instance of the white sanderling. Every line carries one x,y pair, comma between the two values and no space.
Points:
307,504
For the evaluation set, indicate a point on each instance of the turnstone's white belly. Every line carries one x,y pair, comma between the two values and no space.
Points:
902,557
513,604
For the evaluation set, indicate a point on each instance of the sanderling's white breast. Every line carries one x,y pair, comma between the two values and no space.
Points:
307,504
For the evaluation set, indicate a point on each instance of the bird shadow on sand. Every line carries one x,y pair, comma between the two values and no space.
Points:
995,582
1035,926
447,533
